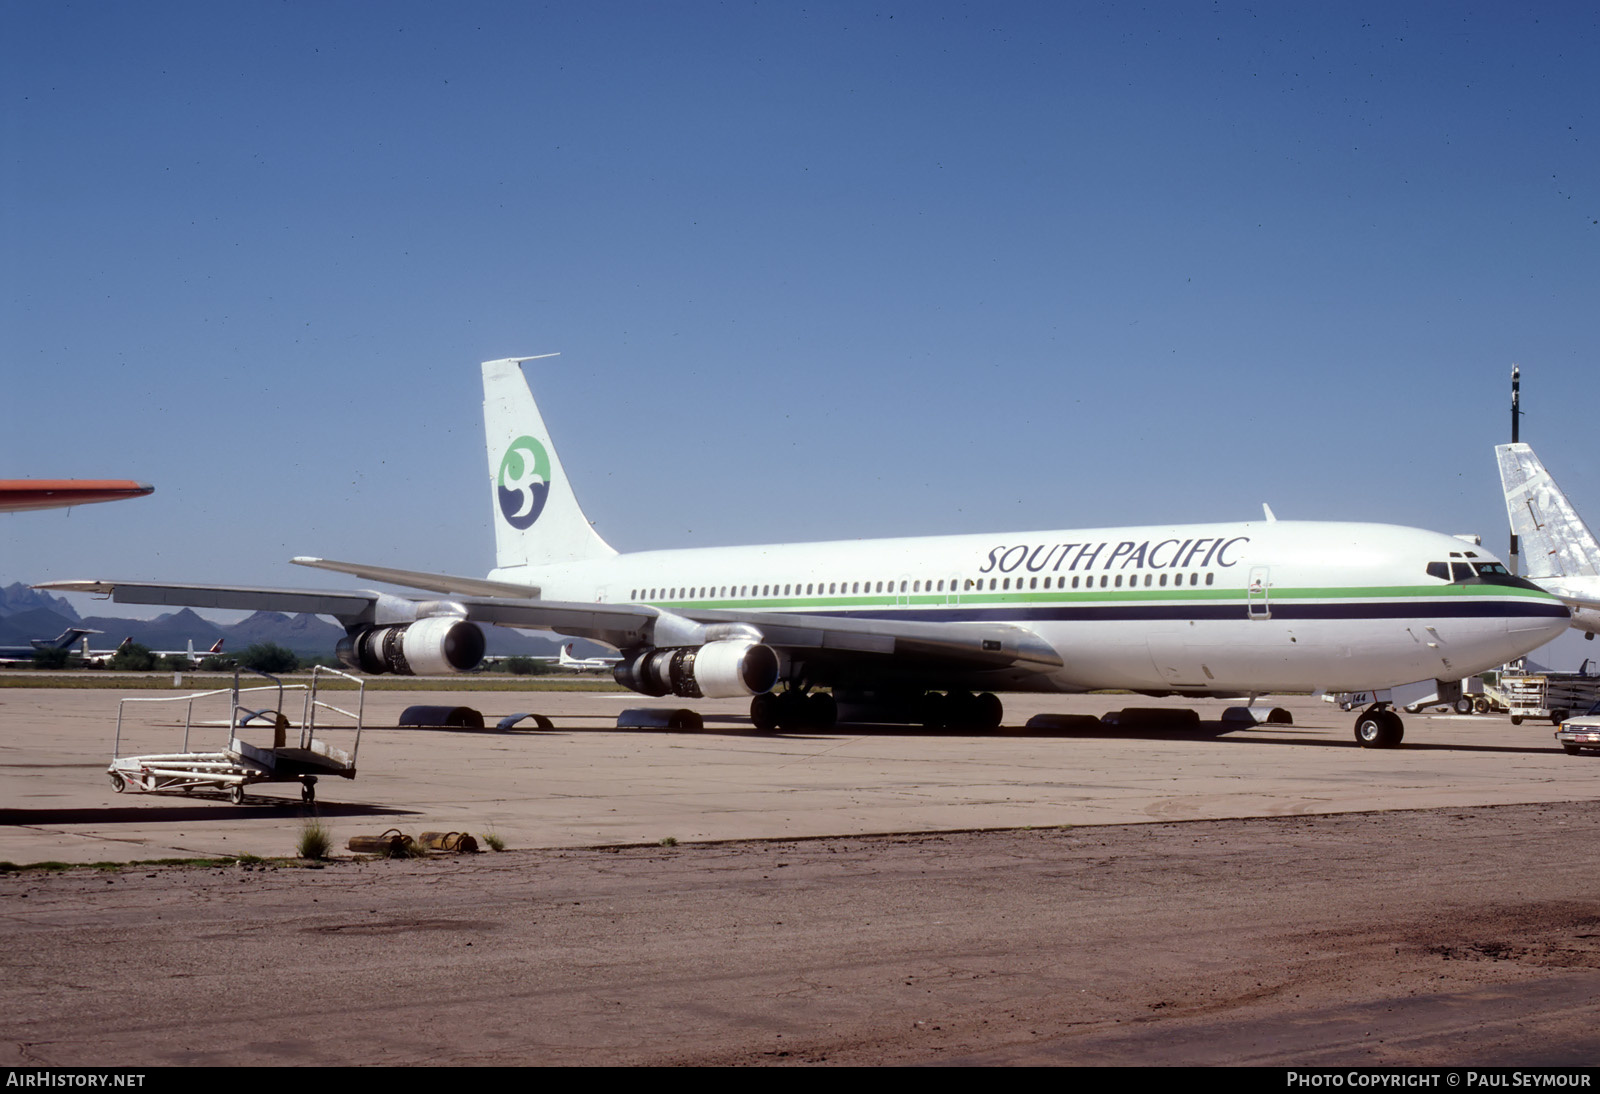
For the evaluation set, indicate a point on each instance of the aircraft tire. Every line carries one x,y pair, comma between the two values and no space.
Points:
936,710
823,710
961,709
991,711
1463,705
1379,729
793,710
764,712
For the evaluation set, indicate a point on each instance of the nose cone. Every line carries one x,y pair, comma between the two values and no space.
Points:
1531,621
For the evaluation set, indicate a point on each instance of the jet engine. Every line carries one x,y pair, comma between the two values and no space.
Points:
438,644
723,669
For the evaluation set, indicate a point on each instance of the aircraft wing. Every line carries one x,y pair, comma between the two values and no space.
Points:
620,625
626,626
975,646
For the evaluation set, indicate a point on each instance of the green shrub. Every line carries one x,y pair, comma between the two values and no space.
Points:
315,840
132,657
268,657
54,658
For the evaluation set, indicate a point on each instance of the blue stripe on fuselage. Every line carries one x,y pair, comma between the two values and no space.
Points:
1430,609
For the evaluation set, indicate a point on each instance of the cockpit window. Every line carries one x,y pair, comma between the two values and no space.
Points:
1465,571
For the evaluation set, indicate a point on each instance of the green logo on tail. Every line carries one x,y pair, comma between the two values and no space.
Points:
524,482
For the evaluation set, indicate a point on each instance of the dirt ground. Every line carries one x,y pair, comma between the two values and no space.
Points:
1429,937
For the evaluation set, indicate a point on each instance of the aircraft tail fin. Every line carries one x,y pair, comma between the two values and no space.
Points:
537,520
65,639
1555,541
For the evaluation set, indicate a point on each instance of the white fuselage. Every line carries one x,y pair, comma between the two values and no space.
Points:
1219,608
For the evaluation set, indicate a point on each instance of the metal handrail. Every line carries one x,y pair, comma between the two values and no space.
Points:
308,718
188,717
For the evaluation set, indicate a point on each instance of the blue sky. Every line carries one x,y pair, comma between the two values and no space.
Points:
815,271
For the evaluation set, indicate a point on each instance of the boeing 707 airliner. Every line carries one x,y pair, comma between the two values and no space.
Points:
931,629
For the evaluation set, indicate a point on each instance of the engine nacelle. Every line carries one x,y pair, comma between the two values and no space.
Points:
717,670
438,644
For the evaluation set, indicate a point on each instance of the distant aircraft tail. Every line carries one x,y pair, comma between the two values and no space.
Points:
64,640
196,656
537,520
1555,541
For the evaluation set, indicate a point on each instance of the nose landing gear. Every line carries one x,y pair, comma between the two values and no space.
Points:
1379,727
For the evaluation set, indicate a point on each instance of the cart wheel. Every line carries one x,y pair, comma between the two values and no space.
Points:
118,783
1516,719
236,793
308,793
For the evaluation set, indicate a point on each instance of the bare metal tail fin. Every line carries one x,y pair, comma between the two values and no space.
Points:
537,520
1556,542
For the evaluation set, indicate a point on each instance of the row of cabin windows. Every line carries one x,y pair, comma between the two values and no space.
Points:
848,588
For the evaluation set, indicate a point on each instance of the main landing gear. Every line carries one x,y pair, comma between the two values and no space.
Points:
1379,727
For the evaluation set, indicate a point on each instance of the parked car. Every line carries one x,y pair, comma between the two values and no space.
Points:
1581,734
